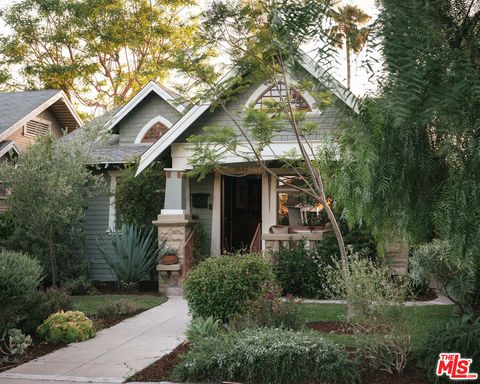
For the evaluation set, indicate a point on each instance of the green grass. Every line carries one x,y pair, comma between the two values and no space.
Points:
91,303
420,320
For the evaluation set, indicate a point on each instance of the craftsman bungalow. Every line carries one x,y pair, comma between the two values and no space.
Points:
235,212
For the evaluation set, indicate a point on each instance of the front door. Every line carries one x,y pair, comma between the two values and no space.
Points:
241,211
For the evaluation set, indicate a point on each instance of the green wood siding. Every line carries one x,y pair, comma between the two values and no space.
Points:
150,107
204,214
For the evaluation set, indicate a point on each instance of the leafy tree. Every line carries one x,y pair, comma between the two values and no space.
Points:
347,32
410,164
99,52
262,38
139,199
50,188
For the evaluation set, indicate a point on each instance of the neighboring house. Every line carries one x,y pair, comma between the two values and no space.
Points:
235,212
24,116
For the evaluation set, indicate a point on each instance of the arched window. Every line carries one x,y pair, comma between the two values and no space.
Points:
278,92
154,133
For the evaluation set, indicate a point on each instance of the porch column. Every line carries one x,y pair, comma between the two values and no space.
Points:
173,225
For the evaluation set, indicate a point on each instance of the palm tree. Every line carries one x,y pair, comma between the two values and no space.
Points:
347,32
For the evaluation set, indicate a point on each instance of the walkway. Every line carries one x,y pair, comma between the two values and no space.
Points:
114,354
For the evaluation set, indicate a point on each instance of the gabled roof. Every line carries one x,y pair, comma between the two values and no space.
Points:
7,146
166,94
195,112
16,108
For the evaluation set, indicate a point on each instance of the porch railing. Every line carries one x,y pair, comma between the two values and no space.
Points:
188,251
256,243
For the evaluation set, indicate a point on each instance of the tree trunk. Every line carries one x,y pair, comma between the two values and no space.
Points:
349,75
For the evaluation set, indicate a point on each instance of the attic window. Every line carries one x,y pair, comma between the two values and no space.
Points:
154,133
278,92
36,127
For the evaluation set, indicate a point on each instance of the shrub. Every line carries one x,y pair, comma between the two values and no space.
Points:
66,327
135,253
300,271
459,335
268,356
118,308
41,304
13,345
201,328
222,286
270,311
79,286
19,277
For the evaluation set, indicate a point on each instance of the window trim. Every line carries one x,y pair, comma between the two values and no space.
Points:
157,119
112,209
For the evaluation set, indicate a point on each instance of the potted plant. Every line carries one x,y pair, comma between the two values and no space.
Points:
169,256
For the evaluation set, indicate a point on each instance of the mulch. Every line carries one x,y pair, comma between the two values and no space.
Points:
408,376
162,369
331,327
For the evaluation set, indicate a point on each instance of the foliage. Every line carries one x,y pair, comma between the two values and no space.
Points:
139,199
50,189
120,308
222,286
6,227
270,311
378,309
98,52
66,327
79,286
269,356
201,248
13,345
409,163
454,275
135,254
459,335
201,328
20,276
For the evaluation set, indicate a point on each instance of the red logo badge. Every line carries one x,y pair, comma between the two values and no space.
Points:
455,367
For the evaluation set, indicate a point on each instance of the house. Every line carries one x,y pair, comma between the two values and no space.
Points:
237,205
24,116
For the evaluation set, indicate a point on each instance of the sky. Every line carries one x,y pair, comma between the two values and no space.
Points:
361,82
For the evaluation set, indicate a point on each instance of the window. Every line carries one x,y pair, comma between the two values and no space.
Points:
278,92
154,133
36,127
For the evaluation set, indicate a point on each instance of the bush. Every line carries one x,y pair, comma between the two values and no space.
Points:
66,327
19,277
79,286
268,356
222,286
270,311
459,335
13,345
201,328
41,304
135,253
118,308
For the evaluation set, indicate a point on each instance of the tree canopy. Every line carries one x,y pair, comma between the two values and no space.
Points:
99,52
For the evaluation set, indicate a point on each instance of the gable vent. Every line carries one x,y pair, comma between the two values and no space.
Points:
36,127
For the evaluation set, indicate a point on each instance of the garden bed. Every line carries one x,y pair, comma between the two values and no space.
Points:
89,305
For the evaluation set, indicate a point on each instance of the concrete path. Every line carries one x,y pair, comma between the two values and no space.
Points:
114,354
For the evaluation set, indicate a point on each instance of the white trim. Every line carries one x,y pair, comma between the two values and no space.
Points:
172,212
150,87
149,125
216,234
48,103
266,85
112,211
269,203
7,148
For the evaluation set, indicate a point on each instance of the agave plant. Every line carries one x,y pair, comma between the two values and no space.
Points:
132,255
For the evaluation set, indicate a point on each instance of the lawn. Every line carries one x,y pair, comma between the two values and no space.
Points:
91,303
420,320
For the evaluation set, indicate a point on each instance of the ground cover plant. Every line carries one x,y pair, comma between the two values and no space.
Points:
268,356
66,327
222,286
